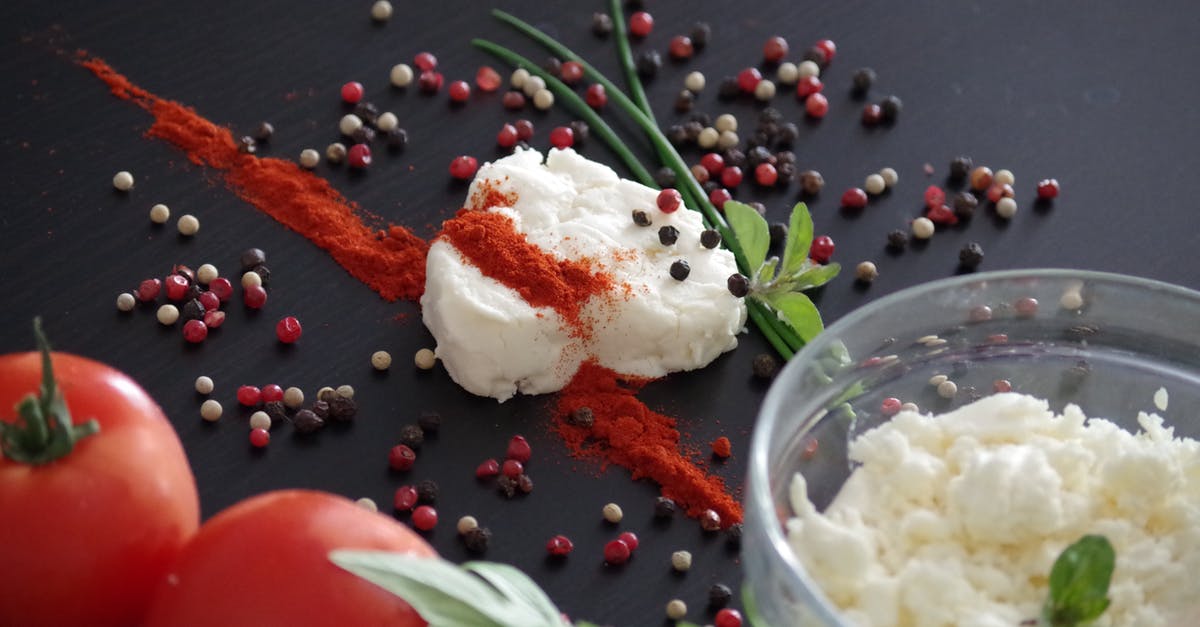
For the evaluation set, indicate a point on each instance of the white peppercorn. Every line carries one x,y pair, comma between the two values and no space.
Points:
293,397
126,301
210,410
425,359
694,82
543,98
381,360
167,315
923,228
890,176
788,73
612,513
401,75
123,181
309,158
160,213
381,11
204,385
681,560
188,225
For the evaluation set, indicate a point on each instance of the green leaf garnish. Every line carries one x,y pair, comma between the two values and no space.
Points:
1079,583
799,312
751,231
800,235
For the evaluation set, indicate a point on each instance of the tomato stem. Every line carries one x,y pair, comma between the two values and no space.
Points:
43,431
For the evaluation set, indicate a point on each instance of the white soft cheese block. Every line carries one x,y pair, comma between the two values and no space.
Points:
495,344
956,519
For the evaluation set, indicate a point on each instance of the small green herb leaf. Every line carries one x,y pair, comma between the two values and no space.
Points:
751,231
1079,582
799,312
766,271
815,276
799,239
516,585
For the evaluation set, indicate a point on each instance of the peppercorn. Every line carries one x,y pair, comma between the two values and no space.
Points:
507,486
648,63
276,411
710,238
264,131
701,31
684,101
787,135
866,272
664,508
960,167
427,491
307,421
811,182
863,79
890,107
665,177
668,235
364,135
524,484
764,366
413,436
640,218
778,232
678,135
710,520
676,608
342,409
719,595
738,285
680,270
580,129
897,239
581,417
476,540
612,513
733,536
252,257
192,310
336,152
429,422
728,88
970,256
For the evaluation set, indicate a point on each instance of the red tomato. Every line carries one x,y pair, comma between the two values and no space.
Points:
265,561
85,538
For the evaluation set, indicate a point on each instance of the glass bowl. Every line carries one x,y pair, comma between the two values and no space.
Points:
1104,342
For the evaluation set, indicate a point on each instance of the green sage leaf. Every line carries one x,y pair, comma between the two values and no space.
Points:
799,239
515,584
1079,582
751,231
799,312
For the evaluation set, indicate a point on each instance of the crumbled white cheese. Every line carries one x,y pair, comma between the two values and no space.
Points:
956,519
1160,399
493,343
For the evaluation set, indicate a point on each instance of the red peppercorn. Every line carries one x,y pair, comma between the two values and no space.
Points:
507,137
890,406
640,24
1047,189
765,174
460,91
571,72
630,539
259,438
595,96
487,79
352,92
775,49
425,61
405,498
254,296
512,468
524,129
401,457
288,330
731,176
822,249
681,47
719,196
872,114
424,518
222,288
359,156
816,105
214,318
713,162
854,198
669,200
559,546
996,191
808,86
209,300
934,196
727,617
271,393
249,395
430,82
177,287
519,449
748,79
463,167
195,331
148,290
513,100
489,468
616,552
562,137
828,48
941,214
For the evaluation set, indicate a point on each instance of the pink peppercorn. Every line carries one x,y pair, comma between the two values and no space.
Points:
808,86
352,92
595,96
425,61
210,300
616,552
669,200
359,156
640,24
259,438
149,289
1047,189
713,163
854,198
748,79
254,296
487,79
463,167
890,406
821,250
222,288
460,91
177,287
765,174
519,449
288,330
562,137
775,49
571,72
731,176
719,196
271,393
816,105
194,331
934,196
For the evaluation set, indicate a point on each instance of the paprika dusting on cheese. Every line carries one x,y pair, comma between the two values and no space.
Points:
391,261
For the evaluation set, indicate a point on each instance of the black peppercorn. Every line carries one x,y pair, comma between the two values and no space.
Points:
677,134
785,172
970,256
710,238
524,484
430,422
364,135
367,112
788,134
816,55
601,24
684,101
759,207
321,409
764,366
247,145
701,31
648,63
397,138
680,270
863,79
719,595
897,239
733,536
709,186
412,436
507,486
703,119
668,235
184,272
477,539
964,205
779,233
728,88
759,154
553,66
664,507
582,417
665,177
640,218
276,410
890,107
580,129
770,115
738,285
734,157
263,273
811,182
252,257
427,491
193,291
264,132
693,129
191,310
342,409
960,167
306,421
